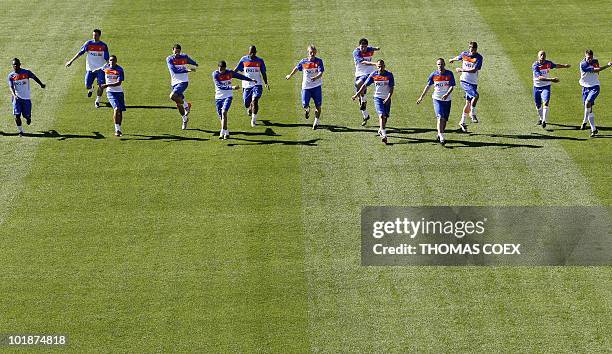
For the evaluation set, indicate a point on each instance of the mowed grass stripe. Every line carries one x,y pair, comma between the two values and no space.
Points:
41,49
580,295
564,42
482,169
509,102
178,241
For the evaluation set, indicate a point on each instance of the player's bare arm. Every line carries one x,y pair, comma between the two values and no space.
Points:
602,68
420,99
291,73
389,95
471,71
447,94
317,76
69,62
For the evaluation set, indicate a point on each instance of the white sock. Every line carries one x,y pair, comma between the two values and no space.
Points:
383,132
544,114
463,116
226,131
473,111
117,127
316,121
592,121
365,113
254,116
185,119
185,104
90,90
20,128
441,136
540,113
98,98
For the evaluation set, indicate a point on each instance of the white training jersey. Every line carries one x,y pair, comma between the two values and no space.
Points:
20,82
310,68
359,57
97,54
588,77
112,75
469,62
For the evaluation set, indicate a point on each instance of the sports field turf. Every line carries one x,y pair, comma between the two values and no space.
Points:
174,240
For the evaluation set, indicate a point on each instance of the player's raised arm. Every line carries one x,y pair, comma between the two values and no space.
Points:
241,77
602,68
454,59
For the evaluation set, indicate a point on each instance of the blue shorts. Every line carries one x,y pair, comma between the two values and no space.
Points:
590,94
361,79
383,109
471,90
315,93
541,94
223,104
116,100
250,92
22,107
90,76
442,109
180,88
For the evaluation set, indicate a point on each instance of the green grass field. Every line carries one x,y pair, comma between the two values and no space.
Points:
170,240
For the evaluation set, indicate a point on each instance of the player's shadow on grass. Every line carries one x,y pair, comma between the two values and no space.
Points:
311,142
575,127
163,137
54,134
406,140
344,129
451,144
457,143
532,136
267,132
